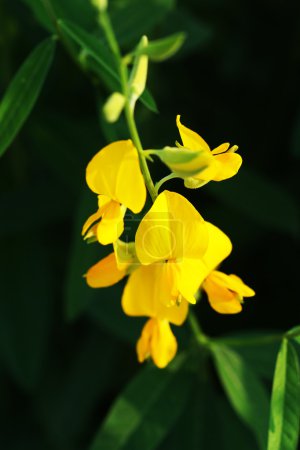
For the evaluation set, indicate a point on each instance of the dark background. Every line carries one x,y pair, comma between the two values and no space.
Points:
66,351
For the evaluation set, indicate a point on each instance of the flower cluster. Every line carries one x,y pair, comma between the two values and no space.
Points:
176,253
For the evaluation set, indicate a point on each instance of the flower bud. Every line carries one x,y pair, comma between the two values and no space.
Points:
113,107
101,5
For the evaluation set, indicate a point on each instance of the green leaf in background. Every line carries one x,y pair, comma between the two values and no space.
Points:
147,99
141,18
260,356
147,409
285,402
164,48
260,199
93,47
245,391
23,92
79,11
294,333
25,307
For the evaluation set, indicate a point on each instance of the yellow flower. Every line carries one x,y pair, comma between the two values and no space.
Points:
174,236
222,161
225,292
114,174
142,297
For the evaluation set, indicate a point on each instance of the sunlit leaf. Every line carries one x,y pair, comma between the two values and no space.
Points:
285,403
145,411
245,391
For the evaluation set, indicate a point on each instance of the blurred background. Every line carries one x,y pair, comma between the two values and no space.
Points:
66,351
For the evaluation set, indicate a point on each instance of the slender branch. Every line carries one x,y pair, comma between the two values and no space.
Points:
200,337
113,43
159,184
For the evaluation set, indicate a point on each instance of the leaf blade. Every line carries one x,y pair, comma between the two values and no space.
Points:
285,401
244,391
23,92
138,419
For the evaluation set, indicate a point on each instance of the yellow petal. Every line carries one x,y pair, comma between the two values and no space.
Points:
89,222
157,341
233,283
221,299
115,172
143,346
163,344
112,224
219,247
226,292
228,166
104,273
148,291
171,230
190,139
221,149
102,202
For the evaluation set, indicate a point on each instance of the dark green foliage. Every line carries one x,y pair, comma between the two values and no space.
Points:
69,379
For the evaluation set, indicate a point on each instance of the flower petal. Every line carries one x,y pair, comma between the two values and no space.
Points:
233,283
171,230
190,139
112,224
221,299
104,273
228,165
157,341
163,344
147,293
219,247
107,173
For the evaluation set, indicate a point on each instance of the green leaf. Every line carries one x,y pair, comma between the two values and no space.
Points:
143,414
294,333
147,99
141,18
93,47
80,12
261,356
285,402
260,199
23,92
245,391
164,48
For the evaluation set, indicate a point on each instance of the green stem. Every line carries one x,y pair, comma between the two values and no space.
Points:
244,342
159,184
200,337
113,43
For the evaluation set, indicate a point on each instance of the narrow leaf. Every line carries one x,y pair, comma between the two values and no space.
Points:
245,391
144,413
93,47
164,48
147,99
23,92
285,402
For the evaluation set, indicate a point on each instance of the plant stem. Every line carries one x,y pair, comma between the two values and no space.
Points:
200,337
113,43
159,184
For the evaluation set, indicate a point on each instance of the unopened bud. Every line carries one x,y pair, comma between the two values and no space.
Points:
101,5
113,107
140,70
